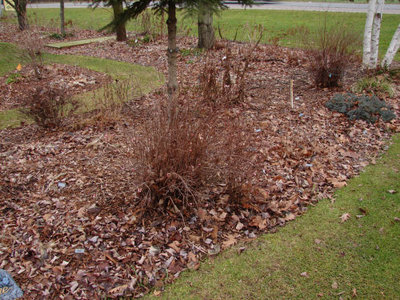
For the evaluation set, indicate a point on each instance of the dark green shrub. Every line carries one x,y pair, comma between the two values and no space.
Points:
367,108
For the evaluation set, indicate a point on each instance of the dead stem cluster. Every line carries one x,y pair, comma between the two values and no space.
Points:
225,84
331,50
32,51
180,156
49,107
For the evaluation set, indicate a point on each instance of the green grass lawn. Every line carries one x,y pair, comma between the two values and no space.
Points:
361,253
276,23
147,78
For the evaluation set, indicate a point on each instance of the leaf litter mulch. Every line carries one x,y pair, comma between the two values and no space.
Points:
69,228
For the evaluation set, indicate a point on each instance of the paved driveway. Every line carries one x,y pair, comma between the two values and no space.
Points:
310,6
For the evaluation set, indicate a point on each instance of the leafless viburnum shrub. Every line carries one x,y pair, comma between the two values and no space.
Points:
32,51
331,50
49,106
225,84
179,155
107,102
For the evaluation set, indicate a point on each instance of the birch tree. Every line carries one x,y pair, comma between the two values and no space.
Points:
368,33
392,50
376,29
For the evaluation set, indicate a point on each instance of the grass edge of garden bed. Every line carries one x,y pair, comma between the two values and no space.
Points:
147,78
316,256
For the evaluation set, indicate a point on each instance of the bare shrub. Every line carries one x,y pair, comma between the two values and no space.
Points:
32,51
225,84
152,25
107,103
331,49
179,157
48,107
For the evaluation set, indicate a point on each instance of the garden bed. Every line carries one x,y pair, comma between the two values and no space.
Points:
70,226
16,86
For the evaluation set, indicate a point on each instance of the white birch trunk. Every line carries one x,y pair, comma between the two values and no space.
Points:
367,33
392,50
376,29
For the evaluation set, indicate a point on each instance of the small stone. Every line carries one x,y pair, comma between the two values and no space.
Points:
304,274
9,289
239,226
208,241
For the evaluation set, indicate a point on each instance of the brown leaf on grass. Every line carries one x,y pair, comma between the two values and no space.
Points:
345,217
392,192
354,293
363,211
337,183
334,285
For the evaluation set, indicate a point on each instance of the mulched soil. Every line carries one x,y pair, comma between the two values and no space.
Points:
69,228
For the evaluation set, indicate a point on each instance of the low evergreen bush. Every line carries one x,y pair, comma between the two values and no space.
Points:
367,108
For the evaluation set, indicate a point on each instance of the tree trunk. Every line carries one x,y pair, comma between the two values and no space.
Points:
367,34
376,29
205,27
120,29
20,8
392,50
62,18
172,85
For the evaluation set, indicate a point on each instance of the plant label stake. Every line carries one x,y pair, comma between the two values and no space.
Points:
291,93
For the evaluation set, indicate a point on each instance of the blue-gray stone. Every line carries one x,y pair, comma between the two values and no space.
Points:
9,290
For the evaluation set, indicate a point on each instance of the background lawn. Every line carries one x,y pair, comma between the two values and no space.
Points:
147,78
360,256
280,26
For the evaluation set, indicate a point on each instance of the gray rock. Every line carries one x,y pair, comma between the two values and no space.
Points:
9,290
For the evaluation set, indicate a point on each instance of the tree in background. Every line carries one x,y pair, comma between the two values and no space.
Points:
118,9
62,18
205,11
134,9
371,37
20,8
392,50
205,26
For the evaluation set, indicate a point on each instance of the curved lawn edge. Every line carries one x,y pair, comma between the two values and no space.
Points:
316,256
144,78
